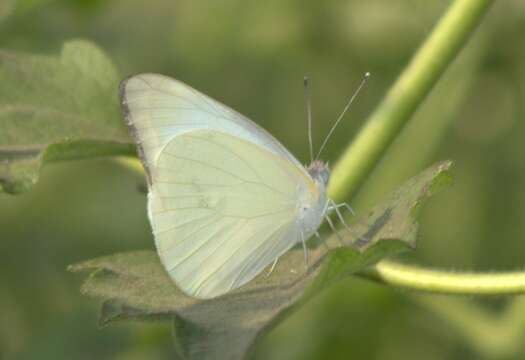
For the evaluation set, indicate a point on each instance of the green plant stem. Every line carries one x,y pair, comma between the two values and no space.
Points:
447,282
384,125
408,92
132,163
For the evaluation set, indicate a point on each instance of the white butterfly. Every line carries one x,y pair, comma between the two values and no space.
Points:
225,198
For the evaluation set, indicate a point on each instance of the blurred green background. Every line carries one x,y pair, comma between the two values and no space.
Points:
252,56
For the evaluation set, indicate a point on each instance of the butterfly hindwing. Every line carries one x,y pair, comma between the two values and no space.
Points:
221,209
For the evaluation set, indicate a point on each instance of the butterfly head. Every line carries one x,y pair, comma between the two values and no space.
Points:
313,205
319,172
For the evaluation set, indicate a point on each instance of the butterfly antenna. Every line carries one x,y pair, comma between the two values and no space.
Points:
309,115
363,82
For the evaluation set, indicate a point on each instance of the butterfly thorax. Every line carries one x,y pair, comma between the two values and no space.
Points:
313,207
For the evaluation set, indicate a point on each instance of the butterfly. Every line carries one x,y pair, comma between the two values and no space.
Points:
225,198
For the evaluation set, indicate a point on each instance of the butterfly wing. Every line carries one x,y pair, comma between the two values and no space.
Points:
223,193
221,210
158,108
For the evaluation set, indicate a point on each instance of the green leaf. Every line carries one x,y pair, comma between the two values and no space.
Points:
135,286
57,108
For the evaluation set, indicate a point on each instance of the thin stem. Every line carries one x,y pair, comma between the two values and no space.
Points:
447,282
402,100
132,163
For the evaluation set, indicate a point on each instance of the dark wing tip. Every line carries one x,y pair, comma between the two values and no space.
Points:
131,126
122,97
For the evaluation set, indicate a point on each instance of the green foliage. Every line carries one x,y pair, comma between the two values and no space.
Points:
57,108
253,57
134,286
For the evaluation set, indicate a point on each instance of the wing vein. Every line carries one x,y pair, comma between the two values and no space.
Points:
179,226
221,170
156,89
204,243
230,152
185,238
204,164
207,277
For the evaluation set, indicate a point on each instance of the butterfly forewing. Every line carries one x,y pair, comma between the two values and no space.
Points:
158,108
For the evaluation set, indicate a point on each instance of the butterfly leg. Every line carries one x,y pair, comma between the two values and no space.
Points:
273,267
333,206
331,224
336,207
322,240
347,207
305,251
